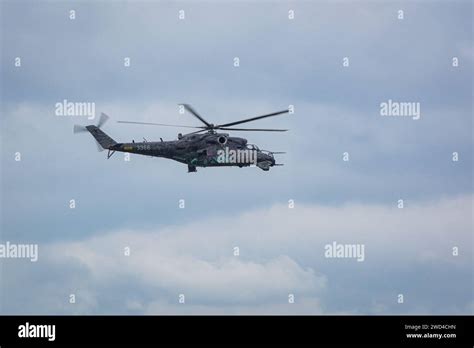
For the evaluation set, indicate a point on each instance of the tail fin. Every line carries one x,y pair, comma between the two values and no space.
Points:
103,139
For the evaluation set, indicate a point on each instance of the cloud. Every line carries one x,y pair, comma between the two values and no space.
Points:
281,253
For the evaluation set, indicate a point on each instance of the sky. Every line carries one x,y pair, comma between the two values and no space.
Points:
281,221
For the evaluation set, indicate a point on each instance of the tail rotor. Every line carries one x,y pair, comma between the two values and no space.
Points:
81,129
102,120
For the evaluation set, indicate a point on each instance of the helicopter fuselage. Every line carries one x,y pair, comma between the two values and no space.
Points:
202,150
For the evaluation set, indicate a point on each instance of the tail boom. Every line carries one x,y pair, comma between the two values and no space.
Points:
103,139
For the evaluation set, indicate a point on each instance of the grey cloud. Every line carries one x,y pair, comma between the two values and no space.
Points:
281,252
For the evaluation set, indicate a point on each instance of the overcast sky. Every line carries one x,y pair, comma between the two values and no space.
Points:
190,251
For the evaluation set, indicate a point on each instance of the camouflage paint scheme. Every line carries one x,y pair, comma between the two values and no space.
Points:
195,150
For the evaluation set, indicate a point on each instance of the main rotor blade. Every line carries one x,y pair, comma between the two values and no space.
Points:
252,119
199,131
253,129
191,110
158,124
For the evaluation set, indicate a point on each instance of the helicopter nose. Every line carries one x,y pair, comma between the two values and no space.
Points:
269,158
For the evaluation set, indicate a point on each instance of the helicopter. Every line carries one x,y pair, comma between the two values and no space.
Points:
205,147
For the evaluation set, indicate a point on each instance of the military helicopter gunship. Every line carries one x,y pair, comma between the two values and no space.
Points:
203,148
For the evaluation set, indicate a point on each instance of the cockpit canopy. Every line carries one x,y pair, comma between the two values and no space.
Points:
252,147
